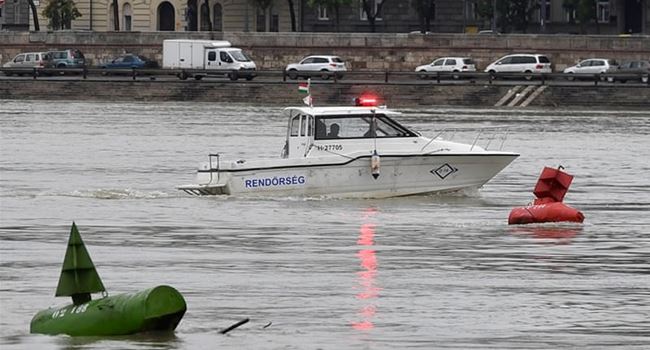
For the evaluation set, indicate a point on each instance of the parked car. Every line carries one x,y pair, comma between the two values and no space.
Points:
590,66
447,65
310,65
129,61
68,58
23,61
630,70
520,63
488,32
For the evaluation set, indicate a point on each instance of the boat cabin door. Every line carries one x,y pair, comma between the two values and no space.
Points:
300,135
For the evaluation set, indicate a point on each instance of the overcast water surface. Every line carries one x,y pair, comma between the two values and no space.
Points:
437,271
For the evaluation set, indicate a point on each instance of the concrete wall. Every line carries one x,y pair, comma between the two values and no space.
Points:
286,94
363,51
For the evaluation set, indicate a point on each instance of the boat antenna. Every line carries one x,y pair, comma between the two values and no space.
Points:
373,128
375,160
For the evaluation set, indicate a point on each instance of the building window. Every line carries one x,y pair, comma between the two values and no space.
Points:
322,13
470,11
126,11
374,5
570,15
603,11
217,17
261,20
547,8
275,23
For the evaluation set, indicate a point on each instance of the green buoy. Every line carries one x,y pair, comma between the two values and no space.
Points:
157,309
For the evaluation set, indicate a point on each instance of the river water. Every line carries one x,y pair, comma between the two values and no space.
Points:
437,271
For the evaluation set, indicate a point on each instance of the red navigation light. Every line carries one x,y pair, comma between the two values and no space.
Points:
366,101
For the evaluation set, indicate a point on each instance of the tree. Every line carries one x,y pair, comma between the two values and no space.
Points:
584,10
264,5
514,14
32,6
292,13
425,10
372,8
331,5
61,13
485,11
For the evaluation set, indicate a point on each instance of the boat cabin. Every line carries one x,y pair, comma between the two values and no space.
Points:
329,128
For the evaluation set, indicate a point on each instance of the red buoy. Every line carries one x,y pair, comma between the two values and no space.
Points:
550,190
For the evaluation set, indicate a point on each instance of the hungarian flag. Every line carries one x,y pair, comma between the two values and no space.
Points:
302,87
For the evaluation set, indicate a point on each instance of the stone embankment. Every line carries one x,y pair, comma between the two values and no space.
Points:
363,52
341,93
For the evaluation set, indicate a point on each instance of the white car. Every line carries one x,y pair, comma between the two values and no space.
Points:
447,65
590,66
520,63
323,66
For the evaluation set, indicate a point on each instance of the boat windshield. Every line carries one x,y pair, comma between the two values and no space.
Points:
358,127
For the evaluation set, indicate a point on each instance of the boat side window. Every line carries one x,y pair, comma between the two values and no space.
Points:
308,127
295,125
358,127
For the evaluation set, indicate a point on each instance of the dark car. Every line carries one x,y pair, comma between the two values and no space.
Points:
68,58
129,61
630,70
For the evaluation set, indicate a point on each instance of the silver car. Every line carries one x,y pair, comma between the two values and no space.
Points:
447,65
590,66
313,65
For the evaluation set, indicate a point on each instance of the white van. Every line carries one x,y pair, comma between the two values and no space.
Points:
185,54
521,63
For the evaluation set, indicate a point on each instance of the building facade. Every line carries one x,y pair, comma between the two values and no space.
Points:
178,15
396,16
458,16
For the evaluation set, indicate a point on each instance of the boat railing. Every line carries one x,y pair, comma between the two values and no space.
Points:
210,156
484,137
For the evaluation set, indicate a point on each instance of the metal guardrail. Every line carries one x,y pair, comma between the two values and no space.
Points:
375,76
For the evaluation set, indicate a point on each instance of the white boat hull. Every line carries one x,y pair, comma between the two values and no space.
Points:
400,175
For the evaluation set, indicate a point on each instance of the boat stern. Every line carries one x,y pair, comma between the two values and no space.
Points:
204,190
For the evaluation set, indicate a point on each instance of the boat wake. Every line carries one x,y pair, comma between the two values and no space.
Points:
118,194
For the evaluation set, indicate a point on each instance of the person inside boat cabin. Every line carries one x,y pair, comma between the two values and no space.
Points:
334,131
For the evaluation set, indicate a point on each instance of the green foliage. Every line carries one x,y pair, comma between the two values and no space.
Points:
425,10
61,13
585,10
484,9
514,14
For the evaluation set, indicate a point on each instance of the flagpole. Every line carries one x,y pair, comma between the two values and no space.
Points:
311,100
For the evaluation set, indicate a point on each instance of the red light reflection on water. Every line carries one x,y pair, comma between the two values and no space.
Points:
366,281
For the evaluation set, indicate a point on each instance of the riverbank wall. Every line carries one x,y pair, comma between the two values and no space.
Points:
362,51
635,97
